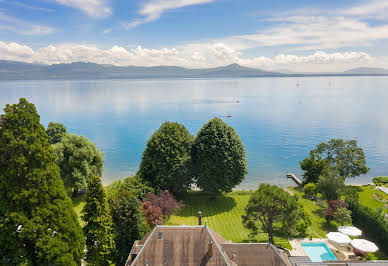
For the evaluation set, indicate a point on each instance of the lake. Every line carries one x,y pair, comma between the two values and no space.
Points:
278,121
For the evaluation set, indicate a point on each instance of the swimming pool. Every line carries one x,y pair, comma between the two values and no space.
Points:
318,252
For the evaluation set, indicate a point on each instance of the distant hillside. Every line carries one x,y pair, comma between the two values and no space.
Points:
10,70
367,71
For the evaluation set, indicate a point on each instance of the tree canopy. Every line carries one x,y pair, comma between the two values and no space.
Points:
218,157
37,223
330,184
343,156
270,208
78,159
98,229
55,131
128,223
166,162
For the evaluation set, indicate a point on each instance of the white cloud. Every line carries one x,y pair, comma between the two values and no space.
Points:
153,10
374,9
191,56
31,7
12,24
93,8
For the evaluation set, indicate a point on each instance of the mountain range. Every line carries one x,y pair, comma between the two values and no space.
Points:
12,70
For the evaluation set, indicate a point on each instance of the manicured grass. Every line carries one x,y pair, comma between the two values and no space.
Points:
78,204
319,226
367,199
222,213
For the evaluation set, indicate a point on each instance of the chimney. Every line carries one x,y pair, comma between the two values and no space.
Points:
199,218
210,248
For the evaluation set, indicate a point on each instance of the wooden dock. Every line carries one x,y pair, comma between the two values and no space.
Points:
295,178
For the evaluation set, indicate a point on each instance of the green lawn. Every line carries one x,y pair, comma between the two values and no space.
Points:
319,227
222,214
78,204
367,199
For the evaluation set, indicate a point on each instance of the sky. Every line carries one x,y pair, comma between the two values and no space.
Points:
298,35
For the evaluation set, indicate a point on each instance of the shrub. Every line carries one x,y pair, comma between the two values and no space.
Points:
380,180
343,216
310,189
371,222
333,206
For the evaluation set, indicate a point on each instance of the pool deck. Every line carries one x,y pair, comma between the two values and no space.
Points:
297,250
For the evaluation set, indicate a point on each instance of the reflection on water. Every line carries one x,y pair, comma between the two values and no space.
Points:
278,122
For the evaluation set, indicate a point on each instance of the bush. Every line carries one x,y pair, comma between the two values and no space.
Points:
310,189
371,222
380,180
343,216
332,208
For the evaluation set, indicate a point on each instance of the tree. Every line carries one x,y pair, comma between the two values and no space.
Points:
344,156
128,223
165,202
310,190
330,184
333,207
153,214
343,216
133,185
98,229
313,166
37,223
270,205
166,162
218,157
55,132
78,159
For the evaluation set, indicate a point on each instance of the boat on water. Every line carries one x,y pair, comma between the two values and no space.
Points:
228,115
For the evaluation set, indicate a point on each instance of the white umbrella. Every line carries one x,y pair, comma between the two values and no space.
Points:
350,230
364,245
338,238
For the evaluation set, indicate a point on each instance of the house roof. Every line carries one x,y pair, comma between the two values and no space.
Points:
189,245
248,254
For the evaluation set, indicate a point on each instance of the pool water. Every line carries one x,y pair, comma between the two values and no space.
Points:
318,252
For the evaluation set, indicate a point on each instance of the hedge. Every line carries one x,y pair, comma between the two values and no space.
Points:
380,180
371,222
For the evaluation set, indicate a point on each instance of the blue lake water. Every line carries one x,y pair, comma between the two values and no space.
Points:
278,122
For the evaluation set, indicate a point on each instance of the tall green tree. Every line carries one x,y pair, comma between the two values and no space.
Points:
128,222
218,157
269,208
55,131
343,156
37,223
79,160
98,229
166,163
330,184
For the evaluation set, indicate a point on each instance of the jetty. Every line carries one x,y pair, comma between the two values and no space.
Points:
295,178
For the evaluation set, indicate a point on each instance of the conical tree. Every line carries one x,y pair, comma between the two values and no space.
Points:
166,162
218,157
37,223
98,229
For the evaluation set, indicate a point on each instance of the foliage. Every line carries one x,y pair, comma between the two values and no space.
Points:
344,156
166,202
218,157
153,214
78,159
128,223
133,185
98,229
166,162
37,223
310,189
271,205
380,180
371,222
343,216
330,184
333,206
313,167
302,222
55,132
